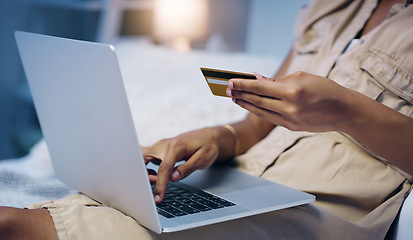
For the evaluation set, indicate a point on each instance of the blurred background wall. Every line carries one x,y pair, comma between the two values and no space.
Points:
260,27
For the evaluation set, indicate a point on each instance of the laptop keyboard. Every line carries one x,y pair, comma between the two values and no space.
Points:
179,201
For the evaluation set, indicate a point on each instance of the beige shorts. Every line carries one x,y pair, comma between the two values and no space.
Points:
79,217
358,197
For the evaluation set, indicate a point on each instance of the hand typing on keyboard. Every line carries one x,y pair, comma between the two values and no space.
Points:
199,148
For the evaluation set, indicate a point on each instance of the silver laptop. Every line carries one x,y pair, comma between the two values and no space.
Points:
84,114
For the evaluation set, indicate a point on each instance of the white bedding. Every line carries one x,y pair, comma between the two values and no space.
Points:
167,96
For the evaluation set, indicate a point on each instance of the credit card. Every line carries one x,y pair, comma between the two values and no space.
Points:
217,79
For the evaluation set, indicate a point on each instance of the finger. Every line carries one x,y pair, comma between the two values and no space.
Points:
153,178
201,159
272,105
146,157
154,153
152,158
175,152
270,88
270,116
258,76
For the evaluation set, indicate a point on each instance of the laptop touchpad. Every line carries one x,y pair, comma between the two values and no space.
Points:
222,179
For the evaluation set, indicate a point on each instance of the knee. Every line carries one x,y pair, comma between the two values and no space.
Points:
8,217
18,223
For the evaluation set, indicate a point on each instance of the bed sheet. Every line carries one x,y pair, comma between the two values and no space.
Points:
167,95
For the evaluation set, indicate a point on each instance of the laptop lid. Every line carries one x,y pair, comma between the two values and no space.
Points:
85,118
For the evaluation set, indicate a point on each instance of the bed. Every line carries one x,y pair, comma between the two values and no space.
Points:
167,96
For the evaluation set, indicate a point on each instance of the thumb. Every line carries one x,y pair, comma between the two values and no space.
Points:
182,171
258,76
196,162
185,169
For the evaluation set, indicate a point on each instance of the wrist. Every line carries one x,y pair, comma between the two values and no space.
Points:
236,138
365,116
354,112
226,138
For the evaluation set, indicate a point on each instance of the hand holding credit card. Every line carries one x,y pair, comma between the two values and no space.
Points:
217,79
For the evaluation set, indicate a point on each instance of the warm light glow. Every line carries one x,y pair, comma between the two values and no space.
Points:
177,20
182,44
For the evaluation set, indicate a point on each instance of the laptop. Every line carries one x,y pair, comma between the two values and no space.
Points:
85,118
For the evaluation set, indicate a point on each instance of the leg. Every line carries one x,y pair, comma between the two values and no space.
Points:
18,223
79,217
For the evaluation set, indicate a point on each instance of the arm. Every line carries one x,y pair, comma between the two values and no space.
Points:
307,102
386,132
200,148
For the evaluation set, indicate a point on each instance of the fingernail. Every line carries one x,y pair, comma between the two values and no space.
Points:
229,92
257,75
175,176
234,100
157,198
230,84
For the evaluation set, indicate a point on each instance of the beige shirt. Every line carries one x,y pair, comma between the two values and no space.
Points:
347,178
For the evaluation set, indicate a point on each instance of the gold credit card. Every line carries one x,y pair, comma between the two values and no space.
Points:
217,79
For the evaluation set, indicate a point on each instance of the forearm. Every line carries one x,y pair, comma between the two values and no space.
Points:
249,131
383,130
245,134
